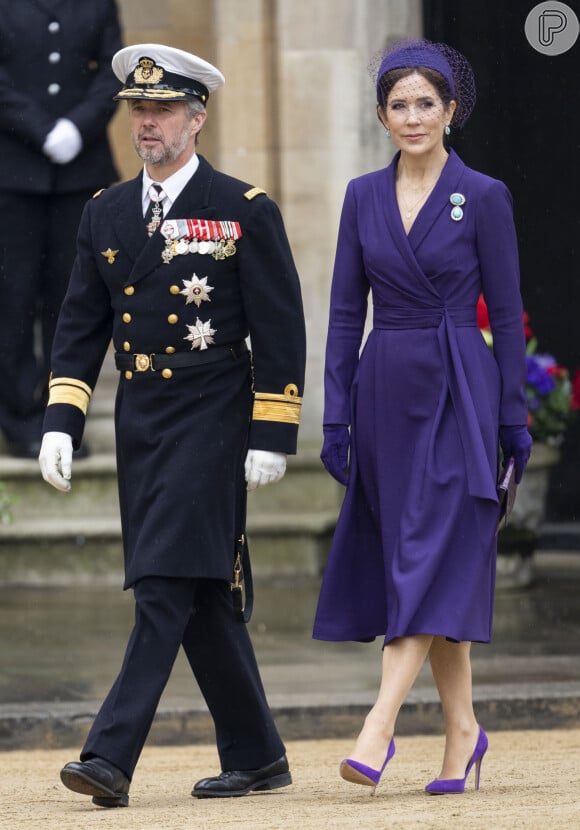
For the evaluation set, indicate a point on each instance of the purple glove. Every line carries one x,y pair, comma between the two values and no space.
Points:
334,453
516,441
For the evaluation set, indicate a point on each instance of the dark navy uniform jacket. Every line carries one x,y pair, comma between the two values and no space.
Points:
183,433
55,62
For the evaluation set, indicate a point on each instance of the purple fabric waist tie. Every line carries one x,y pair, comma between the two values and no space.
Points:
389,317
480,476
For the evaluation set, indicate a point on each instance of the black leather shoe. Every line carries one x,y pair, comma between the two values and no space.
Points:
242,781
108,785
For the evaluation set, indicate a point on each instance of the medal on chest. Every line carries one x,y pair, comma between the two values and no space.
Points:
196,290
216,238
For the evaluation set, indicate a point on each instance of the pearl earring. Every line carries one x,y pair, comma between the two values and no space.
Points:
447,129
388,132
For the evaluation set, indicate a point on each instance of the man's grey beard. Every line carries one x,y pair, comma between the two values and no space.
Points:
163,154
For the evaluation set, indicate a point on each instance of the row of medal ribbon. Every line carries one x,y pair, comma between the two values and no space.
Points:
205,229
199,236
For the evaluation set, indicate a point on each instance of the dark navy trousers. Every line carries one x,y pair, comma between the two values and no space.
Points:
198,615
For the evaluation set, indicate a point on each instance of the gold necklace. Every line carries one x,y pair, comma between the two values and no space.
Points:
425,192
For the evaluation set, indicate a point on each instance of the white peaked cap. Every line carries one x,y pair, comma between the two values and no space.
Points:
156,72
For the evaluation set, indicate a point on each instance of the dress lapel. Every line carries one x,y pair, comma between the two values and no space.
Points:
438,201
395,224
131,232
196,194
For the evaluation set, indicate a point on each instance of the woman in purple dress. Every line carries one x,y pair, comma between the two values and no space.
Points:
413,425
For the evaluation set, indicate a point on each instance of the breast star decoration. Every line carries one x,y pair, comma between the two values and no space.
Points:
196,290
200,335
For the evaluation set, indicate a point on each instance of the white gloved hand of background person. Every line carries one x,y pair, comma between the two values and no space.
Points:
63,143
55,459
263,467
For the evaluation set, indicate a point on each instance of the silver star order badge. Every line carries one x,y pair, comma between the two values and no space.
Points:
200,335
196,290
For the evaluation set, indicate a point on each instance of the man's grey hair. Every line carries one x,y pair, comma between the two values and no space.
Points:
193,106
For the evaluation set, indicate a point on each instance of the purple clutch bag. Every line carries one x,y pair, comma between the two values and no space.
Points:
506,493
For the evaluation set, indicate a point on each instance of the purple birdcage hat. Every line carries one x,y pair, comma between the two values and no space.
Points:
448,62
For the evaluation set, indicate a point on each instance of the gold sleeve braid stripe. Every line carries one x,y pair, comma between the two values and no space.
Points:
286,408
71,391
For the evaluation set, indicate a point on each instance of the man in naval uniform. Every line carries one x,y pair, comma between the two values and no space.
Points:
179,266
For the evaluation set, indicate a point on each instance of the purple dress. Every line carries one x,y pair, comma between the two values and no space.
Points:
414,547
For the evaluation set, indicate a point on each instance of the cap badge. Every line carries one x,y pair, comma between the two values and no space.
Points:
147,72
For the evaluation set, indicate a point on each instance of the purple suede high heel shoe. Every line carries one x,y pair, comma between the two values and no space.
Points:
445,786
358,773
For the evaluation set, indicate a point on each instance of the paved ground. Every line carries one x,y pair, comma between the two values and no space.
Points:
529,780
61,649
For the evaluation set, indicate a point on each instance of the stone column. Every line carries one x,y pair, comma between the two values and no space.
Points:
328,134
246,47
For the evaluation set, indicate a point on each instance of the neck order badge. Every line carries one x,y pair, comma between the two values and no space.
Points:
154,215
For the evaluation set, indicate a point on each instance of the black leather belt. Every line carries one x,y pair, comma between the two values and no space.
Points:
180,360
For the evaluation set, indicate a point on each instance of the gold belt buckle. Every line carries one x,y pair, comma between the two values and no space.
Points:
143,362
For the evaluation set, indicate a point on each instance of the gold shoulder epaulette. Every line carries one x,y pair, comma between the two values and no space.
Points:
98,193
253,192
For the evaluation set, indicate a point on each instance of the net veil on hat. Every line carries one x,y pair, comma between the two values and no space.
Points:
451,64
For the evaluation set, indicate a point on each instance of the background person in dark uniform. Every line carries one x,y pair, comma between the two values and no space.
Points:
56,90
197,419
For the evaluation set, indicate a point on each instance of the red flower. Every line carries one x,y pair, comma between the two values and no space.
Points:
482,315
483,318
575,402
557,371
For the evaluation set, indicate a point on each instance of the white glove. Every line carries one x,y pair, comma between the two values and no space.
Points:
63,143
264,467
55,459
